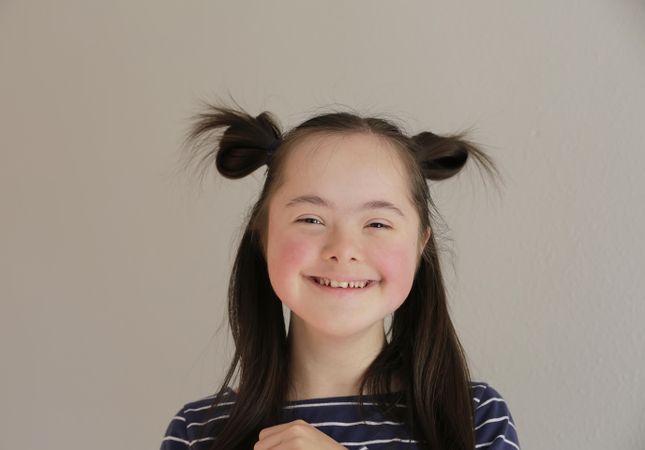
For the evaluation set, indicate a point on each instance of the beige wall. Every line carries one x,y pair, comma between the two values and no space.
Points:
114,268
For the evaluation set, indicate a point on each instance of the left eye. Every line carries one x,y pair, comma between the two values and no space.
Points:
382,225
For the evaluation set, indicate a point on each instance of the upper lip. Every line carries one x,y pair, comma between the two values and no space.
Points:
342,278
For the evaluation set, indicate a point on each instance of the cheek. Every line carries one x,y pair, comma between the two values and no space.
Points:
284,256
396,265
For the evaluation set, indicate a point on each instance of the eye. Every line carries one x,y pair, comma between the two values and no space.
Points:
382,225
308,218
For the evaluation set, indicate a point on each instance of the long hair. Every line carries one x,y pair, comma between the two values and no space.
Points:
424,351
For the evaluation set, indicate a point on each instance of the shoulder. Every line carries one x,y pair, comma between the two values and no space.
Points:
494,424
185,426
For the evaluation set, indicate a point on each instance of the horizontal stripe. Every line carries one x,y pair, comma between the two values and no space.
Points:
199,424
350,424
175,439
379,441
496,419
330,404
338,417
490,400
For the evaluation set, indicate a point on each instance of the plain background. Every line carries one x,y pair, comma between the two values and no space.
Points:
114,265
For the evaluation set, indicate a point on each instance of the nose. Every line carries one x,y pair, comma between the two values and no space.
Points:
341,246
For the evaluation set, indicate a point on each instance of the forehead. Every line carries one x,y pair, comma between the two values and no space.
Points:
347,169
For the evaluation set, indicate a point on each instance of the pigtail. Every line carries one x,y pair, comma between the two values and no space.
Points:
441,157
245,144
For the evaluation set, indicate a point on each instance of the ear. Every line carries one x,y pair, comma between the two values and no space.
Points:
427,235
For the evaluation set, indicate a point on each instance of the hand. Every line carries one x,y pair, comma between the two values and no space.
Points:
296,435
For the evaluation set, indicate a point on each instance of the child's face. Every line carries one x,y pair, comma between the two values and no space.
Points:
342,241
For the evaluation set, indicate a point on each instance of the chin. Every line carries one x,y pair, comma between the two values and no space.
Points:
340,328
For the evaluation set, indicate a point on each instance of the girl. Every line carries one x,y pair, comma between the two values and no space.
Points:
342,234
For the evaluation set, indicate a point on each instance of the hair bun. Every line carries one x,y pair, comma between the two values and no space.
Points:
441,157
243,145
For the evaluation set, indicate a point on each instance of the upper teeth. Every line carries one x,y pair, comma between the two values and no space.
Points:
342,284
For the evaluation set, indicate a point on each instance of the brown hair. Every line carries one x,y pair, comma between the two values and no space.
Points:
423,351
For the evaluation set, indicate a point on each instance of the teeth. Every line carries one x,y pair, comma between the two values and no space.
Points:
342,284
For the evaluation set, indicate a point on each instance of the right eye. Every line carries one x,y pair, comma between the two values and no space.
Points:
308,218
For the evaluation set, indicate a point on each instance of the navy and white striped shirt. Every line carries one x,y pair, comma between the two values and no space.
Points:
338,418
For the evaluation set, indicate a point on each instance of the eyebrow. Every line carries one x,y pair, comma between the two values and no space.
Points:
319,201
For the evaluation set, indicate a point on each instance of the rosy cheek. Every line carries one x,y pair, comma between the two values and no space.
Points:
286,254
396,266
389,260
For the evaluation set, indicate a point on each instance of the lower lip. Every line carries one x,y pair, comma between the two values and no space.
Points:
342,291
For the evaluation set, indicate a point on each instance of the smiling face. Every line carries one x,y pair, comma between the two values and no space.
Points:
319,226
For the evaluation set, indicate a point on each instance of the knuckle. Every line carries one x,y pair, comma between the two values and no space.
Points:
300,428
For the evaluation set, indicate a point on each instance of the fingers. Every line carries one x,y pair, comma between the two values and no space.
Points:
272,436
265,433
295,435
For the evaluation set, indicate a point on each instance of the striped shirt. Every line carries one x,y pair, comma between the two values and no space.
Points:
338,417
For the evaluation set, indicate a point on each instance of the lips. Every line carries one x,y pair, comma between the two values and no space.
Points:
341,278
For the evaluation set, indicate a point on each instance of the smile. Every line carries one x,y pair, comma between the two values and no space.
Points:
343,286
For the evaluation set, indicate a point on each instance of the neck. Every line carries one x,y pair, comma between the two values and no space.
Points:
329,366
